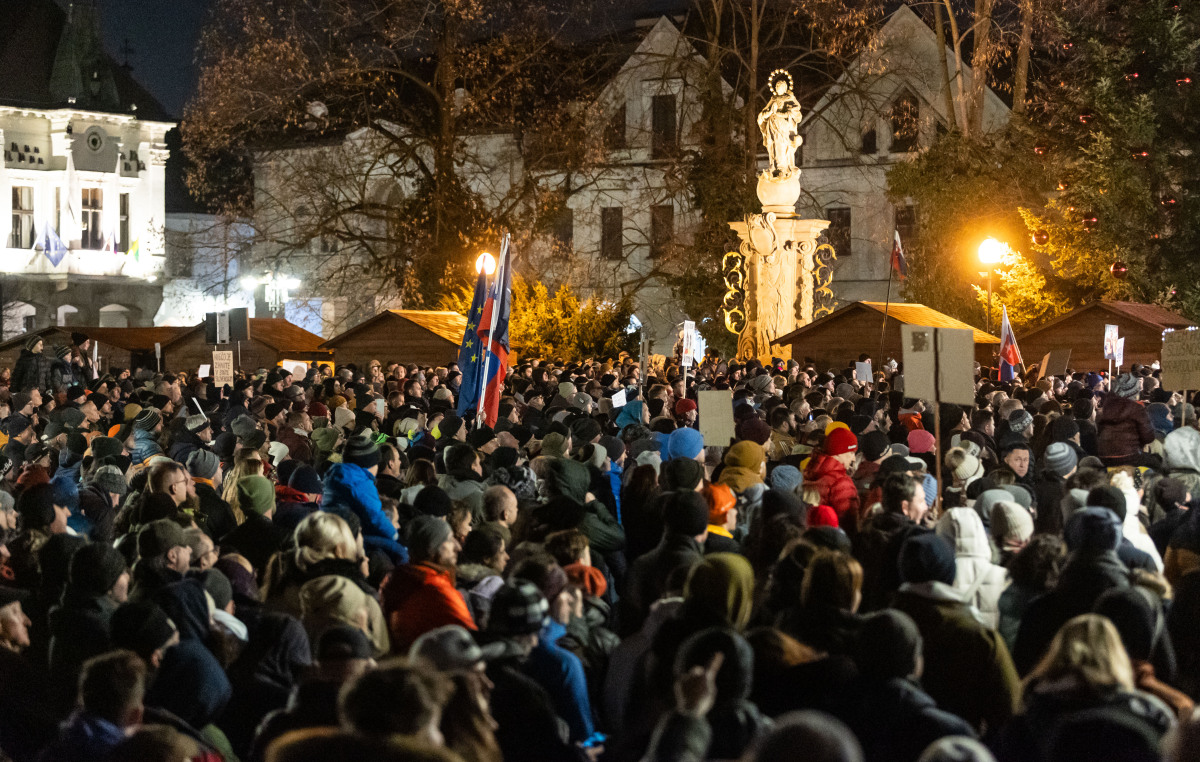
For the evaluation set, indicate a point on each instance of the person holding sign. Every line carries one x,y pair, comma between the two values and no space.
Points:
1123,426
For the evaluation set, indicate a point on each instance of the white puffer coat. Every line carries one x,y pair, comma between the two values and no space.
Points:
979,580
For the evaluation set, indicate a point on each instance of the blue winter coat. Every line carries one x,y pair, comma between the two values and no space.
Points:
560,673
85,737
145,447
353,487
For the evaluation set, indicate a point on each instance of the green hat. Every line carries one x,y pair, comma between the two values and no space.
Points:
256,493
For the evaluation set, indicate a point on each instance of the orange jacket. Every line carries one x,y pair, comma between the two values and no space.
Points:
418,598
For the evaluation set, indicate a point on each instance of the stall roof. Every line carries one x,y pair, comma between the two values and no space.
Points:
911,314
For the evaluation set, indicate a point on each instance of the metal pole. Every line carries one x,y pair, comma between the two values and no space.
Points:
989,315
886,306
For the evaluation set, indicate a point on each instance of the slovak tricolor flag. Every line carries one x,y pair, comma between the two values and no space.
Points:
899,262
493,331
1010,353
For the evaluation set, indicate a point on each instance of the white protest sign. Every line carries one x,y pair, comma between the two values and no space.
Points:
1181,360
862,372
687,356
715,407
205,371
939,363
1119,357
297,368
223,368
618,400
1110,342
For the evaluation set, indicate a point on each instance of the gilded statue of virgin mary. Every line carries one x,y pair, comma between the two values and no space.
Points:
779,122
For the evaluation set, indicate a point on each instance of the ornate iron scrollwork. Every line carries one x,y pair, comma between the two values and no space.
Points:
823,259
733,305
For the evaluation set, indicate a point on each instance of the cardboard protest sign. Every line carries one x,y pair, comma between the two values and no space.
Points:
1181,360
939,363
715,408
223,368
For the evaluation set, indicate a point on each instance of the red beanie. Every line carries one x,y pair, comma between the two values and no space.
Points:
822,516
684,406
840,441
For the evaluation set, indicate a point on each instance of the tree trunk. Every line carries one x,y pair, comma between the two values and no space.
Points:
939,28
961,99
1021,75
981,62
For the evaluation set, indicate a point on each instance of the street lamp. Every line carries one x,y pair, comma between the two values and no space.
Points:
275,289
991,252
486,264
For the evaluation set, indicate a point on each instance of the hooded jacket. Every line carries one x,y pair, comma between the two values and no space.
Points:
418,598
743,466
353,488
975,573
466,486
32,371
896,721
835,486
1123,428
566,478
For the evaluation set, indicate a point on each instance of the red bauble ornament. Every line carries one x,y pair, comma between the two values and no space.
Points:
1089,221
1168,202
1040,149
1086,118
1119,270
1141,155
1182,81
1041,237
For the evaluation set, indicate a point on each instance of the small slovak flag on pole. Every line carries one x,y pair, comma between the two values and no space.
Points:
1010,353
899,262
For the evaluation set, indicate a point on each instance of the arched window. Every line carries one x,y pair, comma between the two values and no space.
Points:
67,315
114,316
904,121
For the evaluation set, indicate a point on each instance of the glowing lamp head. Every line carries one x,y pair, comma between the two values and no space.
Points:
991,251
486,264
249,283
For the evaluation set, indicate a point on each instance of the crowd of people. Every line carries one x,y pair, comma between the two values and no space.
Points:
339,566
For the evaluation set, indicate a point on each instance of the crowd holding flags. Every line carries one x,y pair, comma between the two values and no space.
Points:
1010,354
483,357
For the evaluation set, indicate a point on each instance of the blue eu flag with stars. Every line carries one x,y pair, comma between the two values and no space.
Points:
470,355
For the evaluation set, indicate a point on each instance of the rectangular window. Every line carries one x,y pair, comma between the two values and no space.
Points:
904,120
23,235
93,228
563,231
869,143
662,229
124,232
662,126
838,231
906,225
614,131
611,232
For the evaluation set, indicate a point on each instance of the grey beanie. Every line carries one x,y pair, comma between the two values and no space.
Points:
424,535
785,478
203,463
1128,386
1019,420
1060,458
110,479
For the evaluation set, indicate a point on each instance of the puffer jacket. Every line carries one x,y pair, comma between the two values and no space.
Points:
835,486
145,447
1123,428
31,372
353,488
418,598
980,580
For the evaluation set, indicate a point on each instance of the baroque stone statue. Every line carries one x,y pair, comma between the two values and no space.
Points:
779,122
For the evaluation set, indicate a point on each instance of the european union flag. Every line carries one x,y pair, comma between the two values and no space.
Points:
470,356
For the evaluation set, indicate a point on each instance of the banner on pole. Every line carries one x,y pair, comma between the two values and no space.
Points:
1110,342
223,368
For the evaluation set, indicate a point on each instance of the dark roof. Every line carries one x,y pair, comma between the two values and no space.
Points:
1150,315
276,333
30,33
443,324
908,313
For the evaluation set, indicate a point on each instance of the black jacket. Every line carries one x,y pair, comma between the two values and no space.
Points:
31,372
216,519
312,704
648,575
79,630
257,539
895,720
877,547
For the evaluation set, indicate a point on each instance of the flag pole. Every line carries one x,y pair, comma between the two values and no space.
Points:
886,306
483,380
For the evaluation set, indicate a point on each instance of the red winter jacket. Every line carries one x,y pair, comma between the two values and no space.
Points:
835,486
418,598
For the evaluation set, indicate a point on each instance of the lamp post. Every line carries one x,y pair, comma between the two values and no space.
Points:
485,264
275,289
991,252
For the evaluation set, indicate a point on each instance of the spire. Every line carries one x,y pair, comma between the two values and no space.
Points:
81,70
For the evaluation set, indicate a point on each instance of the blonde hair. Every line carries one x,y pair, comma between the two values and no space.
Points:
323,535
1087,647
246,463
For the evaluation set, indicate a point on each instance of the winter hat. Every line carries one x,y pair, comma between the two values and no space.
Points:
424,535
78,338
686,513
839,442
969,468
447,648
272,410
141,627
1169,492
330,600
158,537
1063,428
1021,494
148,419
19,402
587,578
1092,530
1060,458
196,423
62,353
254,441
1011,524
95,568
685,442
554,445
258,405
927,557
920,441
684,406
681,474
584,430
36,506
616,448
785,478
873,445
754,429
518,608
325,439
481,436
305,479
341,642
256,493
956,749
102,447
243,426
448,426
343,418
1127,385
888,645
32,342
203,464
15,425
1019,420
277,451
720,501
361,451
110,479
822,516
432,500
